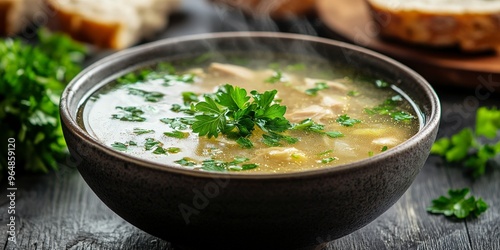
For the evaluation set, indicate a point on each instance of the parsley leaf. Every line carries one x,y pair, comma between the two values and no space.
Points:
187,162
119,146
244,142
177,134
458,205
140,131
32,77
152,96
129,114
318,86
473,150
347,121
230,111
276,77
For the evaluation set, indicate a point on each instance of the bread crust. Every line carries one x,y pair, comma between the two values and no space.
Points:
471,32
276,9
85,30
5,7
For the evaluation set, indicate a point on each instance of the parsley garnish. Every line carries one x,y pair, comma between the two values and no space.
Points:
310,125
181,123
353,93
189,110
187,162
472,149
177,134
152,96
347,121
160,151
140,131
390,107
129,114
318,86
189,97
274,139
327,160
151,143
244,142
32,77
276,77
229,111
119,146
458,205
173,150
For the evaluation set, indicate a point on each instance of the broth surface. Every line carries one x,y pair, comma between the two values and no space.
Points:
133,114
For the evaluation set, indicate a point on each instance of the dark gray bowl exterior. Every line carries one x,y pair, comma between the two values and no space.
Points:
198,209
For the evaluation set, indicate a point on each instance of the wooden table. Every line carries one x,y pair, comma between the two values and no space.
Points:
59,211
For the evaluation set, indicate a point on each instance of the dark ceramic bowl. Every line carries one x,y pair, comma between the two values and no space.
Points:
277,211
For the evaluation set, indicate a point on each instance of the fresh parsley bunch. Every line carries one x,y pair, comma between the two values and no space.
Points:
475,149
231,112
32,78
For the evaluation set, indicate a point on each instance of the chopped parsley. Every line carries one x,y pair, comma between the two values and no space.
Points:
189,97
244,142
384,148
353,93
129,114
458,204
160,151
140,131
177,134
119,146
310,125
276,77
151,143
181,123
390,107
318,86
275,139
152,96
186,162
347,121
327,160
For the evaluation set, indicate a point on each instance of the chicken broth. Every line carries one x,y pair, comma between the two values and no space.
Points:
227,117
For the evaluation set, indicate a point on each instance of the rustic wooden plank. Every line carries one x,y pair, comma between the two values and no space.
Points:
407,225
59,211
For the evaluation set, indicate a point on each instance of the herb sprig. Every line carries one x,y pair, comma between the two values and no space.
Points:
458,205
231,112
473,150
32,78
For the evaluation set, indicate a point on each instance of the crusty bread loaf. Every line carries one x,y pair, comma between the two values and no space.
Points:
17,14
472,25
273,8
110,23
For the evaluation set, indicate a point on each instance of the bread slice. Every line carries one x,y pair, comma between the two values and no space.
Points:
472,25
17,14
110,23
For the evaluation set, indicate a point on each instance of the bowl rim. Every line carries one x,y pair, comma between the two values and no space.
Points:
68,117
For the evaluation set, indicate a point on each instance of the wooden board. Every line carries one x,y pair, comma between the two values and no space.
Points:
351,20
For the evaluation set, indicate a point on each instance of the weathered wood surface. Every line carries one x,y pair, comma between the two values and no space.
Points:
59,211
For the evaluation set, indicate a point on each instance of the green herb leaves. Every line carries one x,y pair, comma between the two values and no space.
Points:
347,121
468,147
318,86
32,77
231,112
458,205
390,107
129,114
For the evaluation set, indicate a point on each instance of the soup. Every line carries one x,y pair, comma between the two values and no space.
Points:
244,116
